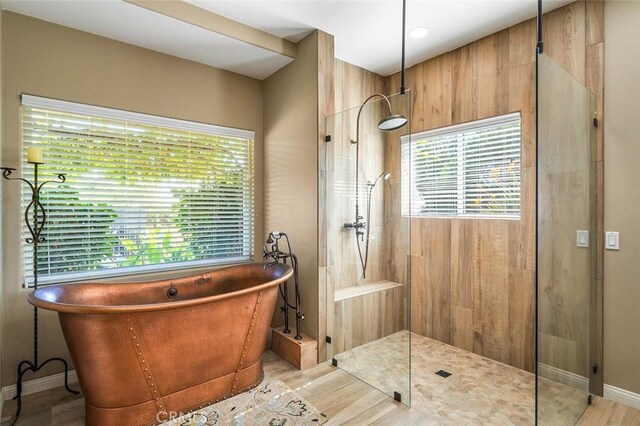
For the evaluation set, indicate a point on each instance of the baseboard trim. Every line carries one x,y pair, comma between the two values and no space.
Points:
610,392
38,385
565,377
622,396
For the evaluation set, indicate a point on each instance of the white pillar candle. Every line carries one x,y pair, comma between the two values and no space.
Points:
34,155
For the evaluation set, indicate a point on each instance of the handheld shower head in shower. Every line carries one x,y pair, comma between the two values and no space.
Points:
385,175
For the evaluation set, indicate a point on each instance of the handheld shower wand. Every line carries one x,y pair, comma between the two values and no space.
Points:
387,124
365,260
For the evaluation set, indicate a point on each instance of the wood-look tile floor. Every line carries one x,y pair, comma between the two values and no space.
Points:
343,398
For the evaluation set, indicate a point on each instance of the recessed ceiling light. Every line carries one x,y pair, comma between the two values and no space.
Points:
419,32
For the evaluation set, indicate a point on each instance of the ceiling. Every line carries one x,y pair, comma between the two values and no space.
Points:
367,32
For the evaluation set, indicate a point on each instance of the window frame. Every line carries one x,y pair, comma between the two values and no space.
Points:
171,269
407,198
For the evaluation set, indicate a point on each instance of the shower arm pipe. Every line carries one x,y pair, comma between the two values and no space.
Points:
357,142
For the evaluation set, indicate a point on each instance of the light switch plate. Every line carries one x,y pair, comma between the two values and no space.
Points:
612,240
582,238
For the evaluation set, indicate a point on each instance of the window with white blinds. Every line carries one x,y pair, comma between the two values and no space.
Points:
472,170
142,194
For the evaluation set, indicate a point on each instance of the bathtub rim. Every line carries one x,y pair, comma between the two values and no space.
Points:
75,308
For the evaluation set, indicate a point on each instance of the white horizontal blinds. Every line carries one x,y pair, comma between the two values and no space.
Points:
466,170
139,196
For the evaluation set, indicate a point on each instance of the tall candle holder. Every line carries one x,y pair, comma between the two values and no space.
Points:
35,224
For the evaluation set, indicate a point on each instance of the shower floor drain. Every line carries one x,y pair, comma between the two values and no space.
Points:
443,373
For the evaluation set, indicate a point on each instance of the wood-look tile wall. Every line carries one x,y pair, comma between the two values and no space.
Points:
574,39
340,265
565,112
473,281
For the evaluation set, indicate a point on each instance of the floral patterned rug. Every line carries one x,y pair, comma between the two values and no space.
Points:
271,404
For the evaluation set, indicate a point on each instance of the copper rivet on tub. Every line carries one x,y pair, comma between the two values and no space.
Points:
137,345
133,337
143,361
149,377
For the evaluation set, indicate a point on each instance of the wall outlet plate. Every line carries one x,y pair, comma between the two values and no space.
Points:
582,238
612,240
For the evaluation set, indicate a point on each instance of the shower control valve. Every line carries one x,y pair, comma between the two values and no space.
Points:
355,225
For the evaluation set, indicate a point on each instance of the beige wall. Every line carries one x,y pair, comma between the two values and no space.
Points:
622,202
48,60
1,216
291,168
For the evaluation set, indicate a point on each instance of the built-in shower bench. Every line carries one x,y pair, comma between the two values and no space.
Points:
361,290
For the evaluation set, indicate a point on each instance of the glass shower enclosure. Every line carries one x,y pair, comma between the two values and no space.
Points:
565,249
368,247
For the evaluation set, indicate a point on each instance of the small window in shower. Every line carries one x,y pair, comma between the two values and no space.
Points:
466,170
143,193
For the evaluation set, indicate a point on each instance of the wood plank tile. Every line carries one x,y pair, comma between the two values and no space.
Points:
462,85
594,26
564,38
596,347
416,81
522,98
595,83
490,57
462,327
521,310
345,399
437,86
490,297
604,412
491,76
462,263
522,43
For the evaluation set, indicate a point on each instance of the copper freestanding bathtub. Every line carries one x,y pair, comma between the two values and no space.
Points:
144,350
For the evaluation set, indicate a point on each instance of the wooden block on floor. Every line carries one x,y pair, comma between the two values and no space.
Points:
301,354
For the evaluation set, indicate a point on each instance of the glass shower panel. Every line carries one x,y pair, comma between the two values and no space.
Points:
565,216
368,313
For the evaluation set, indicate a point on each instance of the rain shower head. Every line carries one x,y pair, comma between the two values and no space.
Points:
392,122
387,124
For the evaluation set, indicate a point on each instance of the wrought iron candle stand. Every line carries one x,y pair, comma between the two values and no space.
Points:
35,226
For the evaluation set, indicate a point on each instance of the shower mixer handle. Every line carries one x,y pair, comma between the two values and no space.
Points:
357,225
